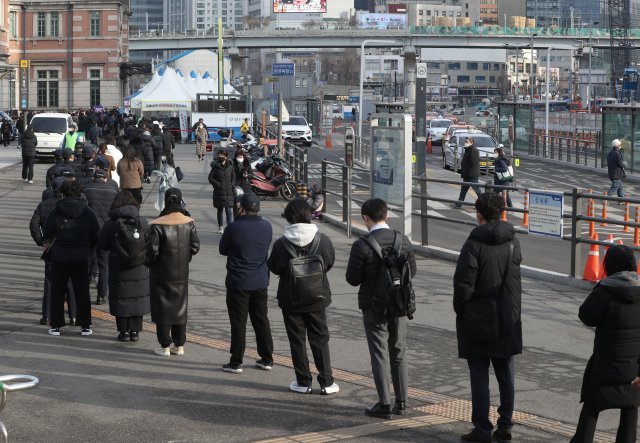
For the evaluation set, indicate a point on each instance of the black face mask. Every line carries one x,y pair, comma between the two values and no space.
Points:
221,159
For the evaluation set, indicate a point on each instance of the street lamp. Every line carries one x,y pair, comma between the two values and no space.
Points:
362,67
590,55
531,69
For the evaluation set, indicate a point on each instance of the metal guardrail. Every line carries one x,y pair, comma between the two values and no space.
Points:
13,383
296,156
579,150
577,200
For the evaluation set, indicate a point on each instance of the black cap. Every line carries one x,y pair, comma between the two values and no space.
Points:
87,151
172,195
57,153
67,153
99,173
102,162
250,202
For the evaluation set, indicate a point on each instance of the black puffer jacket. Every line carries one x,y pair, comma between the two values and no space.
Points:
167,140
75,229
100,196
128,287
29,143
156,134
223,180
615,164
613,308
300,235
147,149
173,240
40,215
470,163
240,170
365,267
479,272
51,173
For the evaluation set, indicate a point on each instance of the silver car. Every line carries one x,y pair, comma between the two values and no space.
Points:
453,149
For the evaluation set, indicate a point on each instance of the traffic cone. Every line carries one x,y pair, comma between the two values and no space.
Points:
592,225
592,266
636,231
327,142
525,218
429,146
604,211
603,273
626,217
504,211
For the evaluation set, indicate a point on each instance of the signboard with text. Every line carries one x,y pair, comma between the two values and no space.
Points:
545,213
24,85
299,6
283,69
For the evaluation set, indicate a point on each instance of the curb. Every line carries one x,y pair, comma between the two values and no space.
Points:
452,256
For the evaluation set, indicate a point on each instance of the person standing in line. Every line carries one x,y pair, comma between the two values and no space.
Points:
243,171
386,337
54,171
304,316
29,143
501,164
131,171
245,243
201,134
168,143
469,170
487,294
173,241
128,285
615,166
168,178
71,231
611,376
223,179
5,129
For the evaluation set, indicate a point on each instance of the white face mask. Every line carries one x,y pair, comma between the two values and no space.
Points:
496,155
467,144
239,159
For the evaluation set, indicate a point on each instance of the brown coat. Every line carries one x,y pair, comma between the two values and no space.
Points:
130,175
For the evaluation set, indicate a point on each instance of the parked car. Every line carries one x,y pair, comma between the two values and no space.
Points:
453,128
453,149
458,111
437,127
50,128
297,129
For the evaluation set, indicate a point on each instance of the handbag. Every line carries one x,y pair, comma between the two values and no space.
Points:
506,176
480,319
179,174
48,250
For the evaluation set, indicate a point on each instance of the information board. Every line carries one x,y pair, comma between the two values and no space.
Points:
283,69
545,213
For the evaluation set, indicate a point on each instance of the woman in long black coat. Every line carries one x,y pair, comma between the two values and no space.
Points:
243,171
223,179
173,240
611,377
29,143
128,286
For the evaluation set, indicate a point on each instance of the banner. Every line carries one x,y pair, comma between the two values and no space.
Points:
299,6
184,124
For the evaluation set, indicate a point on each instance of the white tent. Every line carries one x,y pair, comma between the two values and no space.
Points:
168,94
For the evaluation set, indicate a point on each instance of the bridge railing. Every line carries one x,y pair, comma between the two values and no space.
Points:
341,189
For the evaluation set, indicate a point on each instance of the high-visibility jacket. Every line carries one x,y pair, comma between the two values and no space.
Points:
70,140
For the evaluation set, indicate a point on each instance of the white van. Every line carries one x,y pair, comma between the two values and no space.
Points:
50,128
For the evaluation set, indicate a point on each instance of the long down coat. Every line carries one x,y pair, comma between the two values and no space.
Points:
223,180
173,240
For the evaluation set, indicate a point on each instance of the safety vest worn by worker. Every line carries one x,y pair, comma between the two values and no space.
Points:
70,140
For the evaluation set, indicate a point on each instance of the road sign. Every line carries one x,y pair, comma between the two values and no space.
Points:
421,70
545,213
516,162
273,79
24,84
283,69
24,63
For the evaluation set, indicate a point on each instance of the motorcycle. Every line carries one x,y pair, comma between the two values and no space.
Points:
272,176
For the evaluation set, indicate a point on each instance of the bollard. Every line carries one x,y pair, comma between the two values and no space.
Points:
604,211
303,190
626,217
429,146
504,211
299,189
525,218
327,142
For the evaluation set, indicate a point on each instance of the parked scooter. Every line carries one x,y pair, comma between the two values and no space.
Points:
272,176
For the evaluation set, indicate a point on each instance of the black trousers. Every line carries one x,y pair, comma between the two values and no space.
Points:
46,296
480,397
125,324
103,272
27,167
93,262
167,334
253,304
465,188
77,272
314,325
627,428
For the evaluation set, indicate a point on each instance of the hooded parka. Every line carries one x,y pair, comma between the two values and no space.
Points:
480,272
223,180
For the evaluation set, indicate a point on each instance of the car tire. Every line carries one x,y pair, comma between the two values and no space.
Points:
444,162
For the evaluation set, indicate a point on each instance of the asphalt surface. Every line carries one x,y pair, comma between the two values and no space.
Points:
97,389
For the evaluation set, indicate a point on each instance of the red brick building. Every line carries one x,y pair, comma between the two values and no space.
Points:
75,48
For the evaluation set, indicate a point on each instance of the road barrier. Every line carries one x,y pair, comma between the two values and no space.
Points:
580,202
581,149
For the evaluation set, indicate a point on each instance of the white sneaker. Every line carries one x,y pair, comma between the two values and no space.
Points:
221,230
86,332
295,387
31,182
162,351
177,350
54,331
328,390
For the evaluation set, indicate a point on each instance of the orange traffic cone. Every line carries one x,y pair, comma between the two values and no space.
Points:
626,217
429,146
592,225
327,142
604,211
636,231
504,211
525,218
592,266
603,273
620,242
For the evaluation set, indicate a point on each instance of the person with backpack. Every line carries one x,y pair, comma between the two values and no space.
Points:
124,237
385,326
487,302
301,258
245,243
173,241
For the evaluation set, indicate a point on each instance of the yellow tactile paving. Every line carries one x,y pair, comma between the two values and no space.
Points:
441,408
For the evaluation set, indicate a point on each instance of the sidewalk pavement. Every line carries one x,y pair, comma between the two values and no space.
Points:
97,389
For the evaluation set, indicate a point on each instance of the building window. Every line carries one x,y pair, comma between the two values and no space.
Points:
486,66
463,79
41,24
481,79
472,66
47,89
496,66
12,25
492,79
390,65
94,87
54,24
433,65
454,66
94,24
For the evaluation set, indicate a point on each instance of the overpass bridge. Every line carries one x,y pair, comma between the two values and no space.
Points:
489,37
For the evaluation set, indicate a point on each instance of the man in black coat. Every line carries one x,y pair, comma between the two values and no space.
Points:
168,144
223,179
469,170
487,292
386,337
53,171
100,196
615,166
246,242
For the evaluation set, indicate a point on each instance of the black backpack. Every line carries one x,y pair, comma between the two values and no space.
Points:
306,275
397,299
129,242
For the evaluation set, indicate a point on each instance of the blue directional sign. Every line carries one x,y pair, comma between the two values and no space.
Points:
283,69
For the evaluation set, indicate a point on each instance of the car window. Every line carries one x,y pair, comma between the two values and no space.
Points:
440,123
297,121
481,141
49,124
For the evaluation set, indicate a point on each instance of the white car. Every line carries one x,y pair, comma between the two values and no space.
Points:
458,111
453,149
437,128
50,128
297,129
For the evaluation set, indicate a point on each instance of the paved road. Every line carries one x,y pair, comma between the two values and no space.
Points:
96,389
